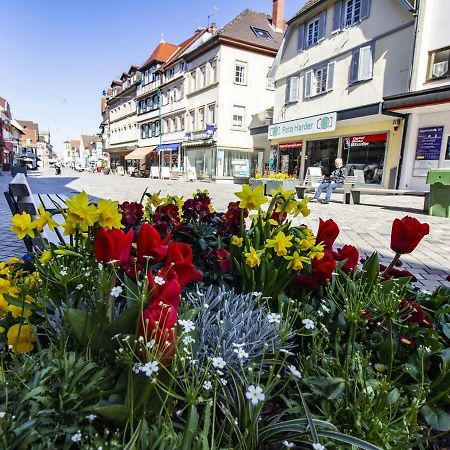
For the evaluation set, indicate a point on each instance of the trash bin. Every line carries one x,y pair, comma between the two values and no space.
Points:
439,181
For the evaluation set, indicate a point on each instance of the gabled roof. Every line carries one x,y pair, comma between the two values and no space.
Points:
310,4
116,83
162,53
182,47
133,68
74,143
87,139
28,124
124,75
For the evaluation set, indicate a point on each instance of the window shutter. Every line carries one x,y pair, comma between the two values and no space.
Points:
354,67
365,9
301,38
308,80
337,16
288,90
293,97
322,24
330,75
365,63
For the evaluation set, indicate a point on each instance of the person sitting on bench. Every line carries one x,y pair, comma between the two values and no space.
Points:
330,183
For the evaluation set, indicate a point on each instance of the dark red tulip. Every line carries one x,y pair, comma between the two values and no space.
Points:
179,261
327,233
350,255
406,234
150,245
323,268
113,245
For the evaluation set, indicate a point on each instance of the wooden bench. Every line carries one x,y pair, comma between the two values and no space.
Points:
308,186
20,199
357,191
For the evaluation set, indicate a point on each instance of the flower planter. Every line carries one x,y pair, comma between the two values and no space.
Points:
253,182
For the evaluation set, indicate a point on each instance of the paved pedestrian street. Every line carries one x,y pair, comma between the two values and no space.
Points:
366,226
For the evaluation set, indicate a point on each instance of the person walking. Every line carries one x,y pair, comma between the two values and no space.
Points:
332,182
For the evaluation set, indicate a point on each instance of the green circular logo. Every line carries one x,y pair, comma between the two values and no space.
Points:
275,131
325,122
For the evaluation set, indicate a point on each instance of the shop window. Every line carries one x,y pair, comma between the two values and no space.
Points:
238,116
292,84
439,62
367,154
321,153
240,73
361,68
320,80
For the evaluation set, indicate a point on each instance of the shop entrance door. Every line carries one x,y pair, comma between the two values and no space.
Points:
322,154
290,158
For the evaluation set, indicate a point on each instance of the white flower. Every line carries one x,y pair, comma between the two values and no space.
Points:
76,437
426,349
318,446
205,305
274,318
137,368
295,371
187,325
309,324
218,362
255,394
116,291
188,340
286,352
91,417
100,266
207,385
320,313
325,308
150,344
237,345
288,444
79,287
160,280
150,368
63,272
223,382
2,414
242,354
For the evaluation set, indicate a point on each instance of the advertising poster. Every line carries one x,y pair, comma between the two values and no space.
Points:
428,150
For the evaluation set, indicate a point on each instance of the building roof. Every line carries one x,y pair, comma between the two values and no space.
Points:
310,4
28,124
17,125
182,47
74,143
161,53
241,29
87,139
3,103
116,83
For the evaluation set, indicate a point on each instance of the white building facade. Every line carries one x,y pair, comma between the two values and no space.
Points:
426,105
338,60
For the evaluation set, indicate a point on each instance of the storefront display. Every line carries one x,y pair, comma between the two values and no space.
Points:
321,153
290,158
366,153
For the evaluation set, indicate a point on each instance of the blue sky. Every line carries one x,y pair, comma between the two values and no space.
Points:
57,56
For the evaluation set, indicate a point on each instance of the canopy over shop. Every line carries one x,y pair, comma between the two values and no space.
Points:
142,158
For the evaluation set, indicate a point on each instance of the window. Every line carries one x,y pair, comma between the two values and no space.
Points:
238,116
212,114
171,72
181,123
144,131
320,80
201,116
193,81
270,84
361,68
313,32
157,128
192,121
202,78
213,71
240,70
262,34
292,89
352,12
439,64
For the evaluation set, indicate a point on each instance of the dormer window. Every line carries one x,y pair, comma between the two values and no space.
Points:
262,34
352,12
313,32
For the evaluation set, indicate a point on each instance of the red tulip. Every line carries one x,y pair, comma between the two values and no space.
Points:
168,293
350,255
113,245
406,234
150,244
322,269
179,260
327,233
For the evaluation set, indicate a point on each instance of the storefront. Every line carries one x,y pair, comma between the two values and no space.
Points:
141,159
170,156
290,157
365,139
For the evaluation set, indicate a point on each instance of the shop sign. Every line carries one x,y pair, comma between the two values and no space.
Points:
287,145
300,127
364,141
428,150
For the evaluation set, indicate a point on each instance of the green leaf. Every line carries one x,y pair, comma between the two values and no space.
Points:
125,322
337,392
394,395
191,428
81,324
348,440
116,414
371,271
446,329
446,356
436,418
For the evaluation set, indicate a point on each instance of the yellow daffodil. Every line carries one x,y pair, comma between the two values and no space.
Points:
316,251
44,218
46,256
296,261
5,286
69,228
258,176
4,269
237,241
295,208
252,258
2,330
3,306
155,200
286,194
251,198
23,225
21,337
109,216
80,212
14,260
280,243
211,208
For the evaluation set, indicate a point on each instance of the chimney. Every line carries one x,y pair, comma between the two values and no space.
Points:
278,15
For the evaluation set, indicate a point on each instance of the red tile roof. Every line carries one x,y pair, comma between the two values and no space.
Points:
182,47
162,53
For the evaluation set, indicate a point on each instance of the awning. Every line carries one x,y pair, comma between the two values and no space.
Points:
168,147
140,153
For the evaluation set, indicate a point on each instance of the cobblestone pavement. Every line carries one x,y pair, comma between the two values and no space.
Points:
367,226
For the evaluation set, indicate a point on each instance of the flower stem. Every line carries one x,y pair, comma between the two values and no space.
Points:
392,264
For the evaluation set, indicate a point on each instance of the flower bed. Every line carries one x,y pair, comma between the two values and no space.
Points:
170,325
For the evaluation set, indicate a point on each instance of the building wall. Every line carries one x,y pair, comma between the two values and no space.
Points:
391,69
